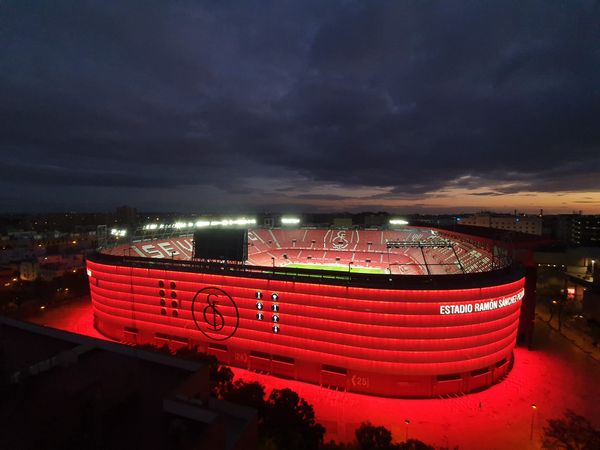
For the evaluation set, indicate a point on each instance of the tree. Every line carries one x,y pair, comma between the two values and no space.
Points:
371,437
285,421
573,432
220,377
332,445
290,423
414,444
248,394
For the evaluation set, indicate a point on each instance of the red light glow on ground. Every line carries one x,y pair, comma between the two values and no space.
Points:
556,376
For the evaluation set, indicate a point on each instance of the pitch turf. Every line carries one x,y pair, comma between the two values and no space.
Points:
335,268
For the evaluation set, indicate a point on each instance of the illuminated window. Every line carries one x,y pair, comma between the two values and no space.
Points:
261,355
259,306
449,377
283,359
274,297
275,307
259,316
275,318
334,369
276,329
258,295
220,347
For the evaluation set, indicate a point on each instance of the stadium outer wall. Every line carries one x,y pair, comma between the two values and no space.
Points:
396,336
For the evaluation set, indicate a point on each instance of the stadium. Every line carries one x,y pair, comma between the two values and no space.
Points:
404,312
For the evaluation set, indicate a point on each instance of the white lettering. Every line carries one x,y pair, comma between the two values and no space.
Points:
137,250
186,244
166,247
152,251
483,306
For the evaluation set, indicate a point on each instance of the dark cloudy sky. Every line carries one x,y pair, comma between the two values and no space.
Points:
300,105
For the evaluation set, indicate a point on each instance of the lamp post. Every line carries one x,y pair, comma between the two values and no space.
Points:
273,261
406,422
533,409
388,251
561,305
349,265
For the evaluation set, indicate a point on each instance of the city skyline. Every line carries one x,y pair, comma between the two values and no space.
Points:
336,106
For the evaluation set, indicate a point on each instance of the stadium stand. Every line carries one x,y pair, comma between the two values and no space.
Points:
417,251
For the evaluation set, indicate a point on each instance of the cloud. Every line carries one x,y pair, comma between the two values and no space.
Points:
486,193
409,99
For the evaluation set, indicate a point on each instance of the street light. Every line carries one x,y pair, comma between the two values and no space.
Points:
533,409
349,264
407,422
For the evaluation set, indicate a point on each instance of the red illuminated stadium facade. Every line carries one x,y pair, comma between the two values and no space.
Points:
436,313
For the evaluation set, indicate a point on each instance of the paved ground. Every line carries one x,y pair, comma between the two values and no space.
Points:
75,316
556,376
574,328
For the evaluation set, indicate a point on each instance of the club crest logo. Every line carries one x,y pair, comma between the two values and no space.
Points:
215,313
340,241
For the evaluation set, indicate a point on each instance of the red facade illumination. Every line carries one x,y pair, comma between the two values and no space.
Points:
392,341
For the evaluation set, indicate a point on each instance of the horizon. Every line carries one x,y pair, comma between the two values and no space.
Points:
289,212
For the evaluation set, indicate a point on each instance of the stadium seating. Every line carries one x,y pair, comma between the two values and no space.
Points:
392,251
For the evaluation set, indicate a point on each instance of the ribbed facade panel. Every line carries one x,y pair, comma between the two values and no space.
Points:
397,342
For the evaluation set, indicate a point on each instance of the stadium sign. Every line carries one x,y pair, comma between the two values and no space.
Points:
490,305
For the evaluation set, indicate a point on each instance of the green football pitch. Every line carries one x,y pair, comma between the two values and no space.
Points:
335,268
